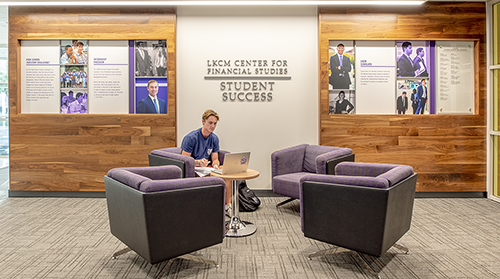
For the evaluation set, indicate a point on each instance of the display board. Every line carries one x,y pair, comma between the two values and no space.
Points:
401,77
455,77
94,77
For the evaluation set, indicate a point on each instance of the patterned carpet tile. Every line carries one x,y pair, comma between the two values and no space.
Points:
70,238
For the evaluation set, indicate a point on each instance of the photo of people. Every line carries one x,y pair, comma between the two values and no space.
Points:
341,68
74,76
417,95
74,102
412,59
74,52
341,101
151,95
402,103
151,58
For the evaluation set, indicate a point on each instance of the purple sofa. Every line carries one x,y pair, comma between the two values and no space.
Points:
172,156
160,215
364,207
289,166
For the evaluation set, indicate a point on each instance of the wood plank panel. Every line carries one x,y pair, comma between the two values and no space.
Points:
448,152
51,152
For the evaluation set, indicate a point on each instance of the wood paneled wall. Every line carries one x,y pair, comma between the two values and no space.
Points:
73,152
447,152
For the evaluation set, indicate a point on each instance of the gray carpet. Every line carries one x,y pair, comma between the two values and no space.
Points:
70,238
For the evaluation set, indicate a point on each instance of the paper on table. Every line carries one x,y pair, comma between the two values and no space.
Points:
203,171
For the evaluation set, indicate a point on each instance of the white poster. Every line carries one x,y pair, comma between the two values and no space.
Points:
454,77
108,82
40,76
375,77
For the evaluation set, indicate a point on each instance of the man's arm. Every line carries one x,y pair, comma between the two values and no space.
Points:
215,160
197,163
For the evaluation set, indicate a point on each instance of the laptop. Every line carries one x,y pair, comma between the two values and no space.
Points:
234,163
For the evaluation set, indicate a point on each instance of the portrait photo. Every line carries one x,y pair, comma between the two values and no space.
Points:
151,95
341,65
341,101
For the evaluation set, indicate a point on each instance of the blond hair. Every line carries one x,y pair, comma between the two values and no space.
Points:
152,81
208,113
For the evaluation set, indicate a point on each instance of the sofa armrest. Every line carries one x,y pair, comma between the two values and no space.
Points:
164,157
362,169
359,181
150,186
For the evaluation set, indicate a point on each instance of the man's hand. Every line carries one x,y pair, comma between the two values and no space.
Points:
203,162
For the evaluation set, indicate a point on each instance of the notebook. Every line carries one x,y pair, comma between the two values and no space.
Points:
235,163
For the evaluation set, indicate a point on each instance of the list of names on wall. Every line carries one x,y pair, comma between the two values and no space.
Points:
454,78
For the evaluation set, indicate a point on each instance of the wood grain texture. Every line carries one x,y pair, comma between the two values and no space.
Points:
51,152
448,152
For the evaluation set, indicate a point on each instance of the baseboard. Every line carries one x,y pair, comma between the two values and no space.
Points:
56,194
259,193
266,193
270,193
451,195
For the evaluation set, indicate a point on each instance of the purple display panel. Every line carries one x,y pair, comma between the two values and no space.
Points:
432,80
131,77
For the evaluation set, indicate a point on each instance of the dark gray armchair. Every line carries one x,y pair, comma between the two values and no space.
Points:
160,215
364,207
290,165
172,156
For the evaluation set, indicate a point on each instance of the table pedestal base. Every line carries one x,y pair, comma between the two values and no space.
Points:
238,228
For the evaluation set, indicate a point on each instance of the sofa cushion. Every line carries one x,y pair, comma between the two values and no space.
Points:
128,178
288,184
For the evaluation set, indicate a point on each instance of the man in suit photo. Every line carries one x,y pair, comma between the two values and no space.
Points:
405,63
402,103
422,96
419,63
152,104
340,66
143,65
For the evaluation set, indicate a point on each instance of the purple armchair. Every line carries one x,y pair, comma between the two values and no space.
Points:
172,156
290,165
160,215
364,207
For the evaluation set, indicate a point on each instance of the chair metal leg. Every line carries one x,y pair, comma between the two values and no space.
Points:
285,202
121,252
357,255
366,265
198,259
323,252
402,248
165,268
186,257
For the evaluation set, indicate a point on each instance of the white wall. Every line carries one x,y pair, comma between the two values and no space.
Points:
230,33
